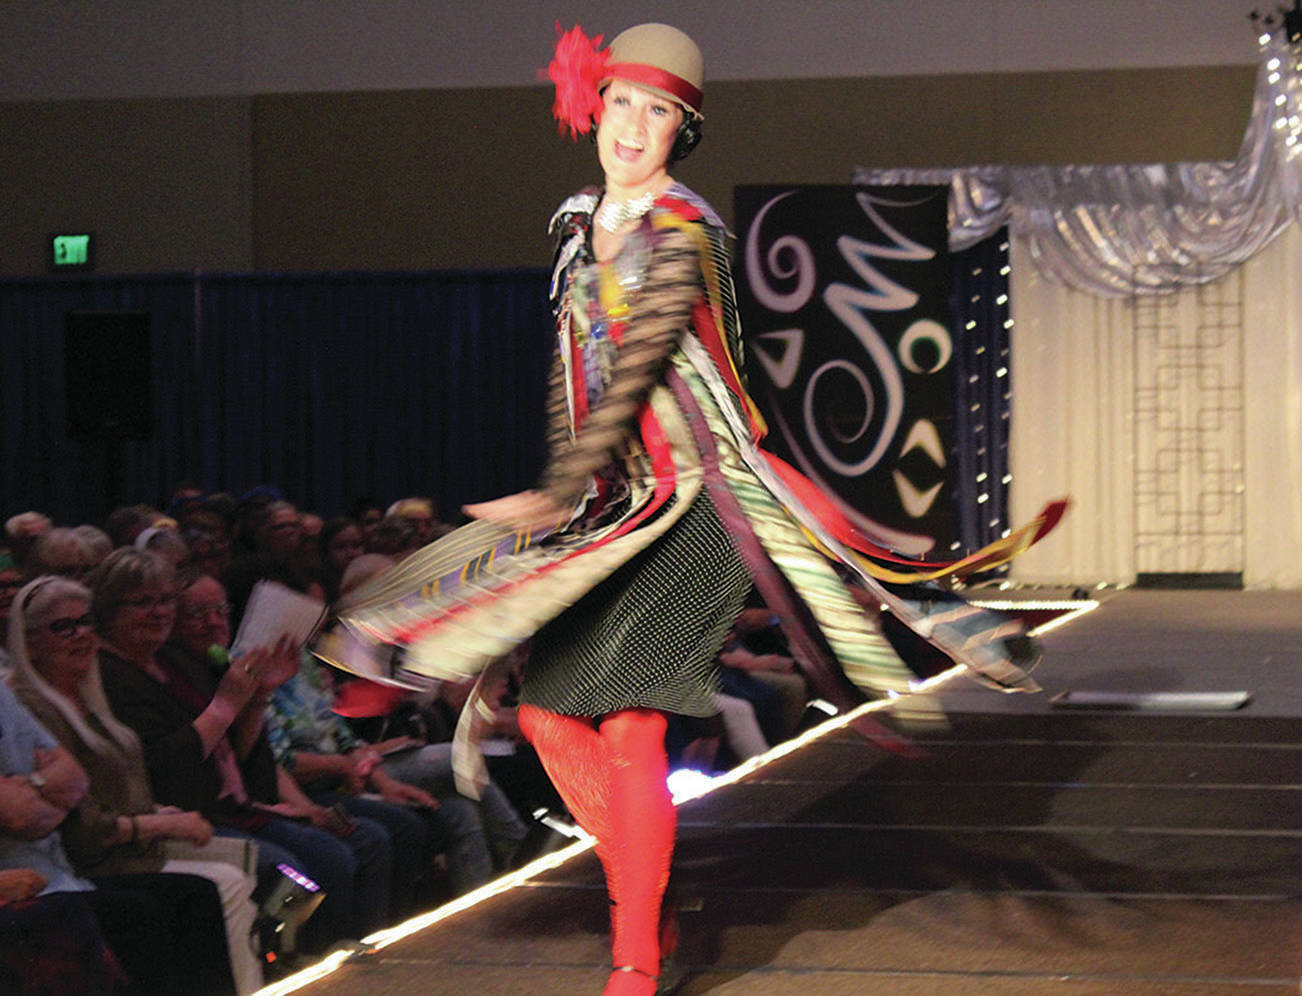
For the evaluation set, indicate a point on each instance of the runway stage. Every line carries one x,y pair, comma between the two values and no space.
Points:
1033,849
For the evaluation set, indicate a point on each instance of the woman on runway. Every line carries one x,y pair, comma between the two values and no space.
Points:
657,510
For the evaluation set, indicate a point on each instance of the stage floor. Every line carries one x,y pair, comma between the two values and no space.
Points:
1032,849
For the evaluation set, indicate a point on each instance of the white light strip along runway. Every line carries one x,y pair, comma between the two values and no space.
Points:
693,789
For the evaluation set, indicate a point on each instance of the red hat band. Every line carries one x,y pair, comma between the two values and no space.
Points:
658,79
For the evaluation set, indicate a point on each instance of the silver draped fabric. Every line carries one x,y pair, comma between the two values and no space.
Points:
1122,230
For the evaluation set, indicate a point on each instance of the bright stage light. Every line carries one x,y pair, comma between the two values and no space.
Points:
688,783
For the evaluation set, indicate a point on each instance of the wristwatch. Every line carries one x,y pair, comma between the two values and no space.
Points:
36,780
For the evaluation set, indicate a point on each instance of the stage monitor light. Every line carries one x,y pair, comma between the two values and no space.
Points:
1293,23
282,914
71,251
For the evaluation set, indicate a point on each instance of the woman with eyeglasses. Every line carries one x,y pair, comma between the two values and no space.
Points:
118,830
205,749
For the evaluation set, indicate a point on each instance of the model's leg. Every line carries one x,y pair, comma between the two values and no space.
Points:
612,779
574,755
641,844
577,760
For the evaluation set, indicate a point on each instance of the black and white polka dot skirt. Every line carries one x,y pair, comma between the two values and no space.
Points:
649,634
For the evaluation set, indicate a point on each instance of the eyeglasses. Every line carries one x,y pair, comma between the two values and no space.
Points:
150,601
69,625
203,611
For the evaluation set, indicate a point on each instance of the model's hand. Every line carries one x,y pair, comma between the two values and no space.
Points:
528,511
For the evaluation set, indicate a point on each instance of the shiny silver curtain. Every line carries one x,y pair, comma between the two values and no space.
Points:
1123,230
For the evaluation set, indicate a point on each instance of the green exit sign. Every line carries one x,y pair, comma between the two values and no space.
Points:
72,251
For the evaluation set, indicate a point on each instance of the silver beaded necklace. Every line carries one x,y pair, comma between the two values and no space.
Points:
614,215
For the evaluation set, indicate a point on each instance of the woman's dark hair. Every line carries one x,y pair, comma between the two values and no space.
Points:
688,137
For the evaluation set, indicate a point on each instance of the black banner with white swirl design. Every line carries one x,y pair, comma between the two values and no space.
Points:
844,299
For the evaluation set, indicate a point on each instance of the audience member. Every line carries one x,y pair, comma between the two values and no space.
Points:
250,511
277,556
127,522
207,534
367,513
757,651
317,748
59,550
219,514
340,543
309,528
117,828
394,537
351,860
421,513
97,541
164,542
431,717
21,531
186,497
165,929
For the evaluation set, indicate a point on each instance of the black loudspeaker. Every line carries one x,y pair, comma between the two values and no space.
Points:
107,362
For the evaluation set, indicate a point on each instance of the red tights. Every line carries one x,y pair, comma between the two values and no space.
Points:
611,775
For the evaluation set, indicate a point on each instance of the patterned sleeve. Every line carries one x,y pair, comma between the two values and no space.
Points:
273,725
557,414
661,313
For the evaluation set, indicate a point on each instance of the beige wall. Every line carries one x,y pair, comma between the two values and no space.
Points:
164,184
467,178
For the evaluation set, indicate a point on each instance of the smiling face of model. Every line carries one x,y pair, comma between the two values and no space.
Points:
636,135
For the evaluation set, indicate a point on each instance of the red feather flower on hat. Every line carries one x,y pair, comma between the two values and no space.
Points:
577,69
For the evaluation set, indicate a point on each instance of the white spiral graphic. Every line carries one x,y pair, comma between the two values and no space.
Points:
829,458
801,265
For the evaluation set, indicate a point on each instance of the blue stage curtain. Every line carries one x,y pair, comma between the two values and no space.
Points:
982,389
328,386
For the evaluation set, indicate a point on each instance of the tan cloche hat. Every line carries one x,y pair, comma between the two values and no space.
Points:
662,59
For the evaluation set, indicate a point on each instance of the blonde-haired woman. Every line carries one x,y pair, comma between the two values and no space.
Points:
118,829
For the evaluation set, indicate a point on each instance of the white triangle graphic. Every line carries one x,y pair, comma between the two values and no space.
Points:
915,502
782,369
924,436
